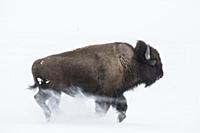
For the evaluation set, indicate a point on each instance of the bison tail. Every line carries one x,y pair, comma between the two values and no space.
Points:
32,87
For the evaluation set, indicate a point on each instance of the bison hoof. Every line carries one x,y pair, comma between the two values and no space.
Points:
121,117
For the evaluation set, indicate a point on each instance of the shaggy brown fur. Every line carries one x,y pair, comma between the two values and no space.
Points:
106,70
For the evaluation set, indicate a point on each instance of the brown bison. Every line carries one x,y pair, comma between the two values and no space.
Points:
104,71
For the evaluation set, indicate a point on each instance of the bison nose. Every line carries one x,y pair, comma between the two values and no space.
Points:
161,73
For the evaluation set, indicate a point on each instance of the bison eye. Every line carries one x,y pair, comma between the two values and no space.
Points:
152,62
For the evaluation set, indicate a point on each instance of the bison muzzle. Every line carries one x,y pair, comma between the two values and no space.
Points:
104,71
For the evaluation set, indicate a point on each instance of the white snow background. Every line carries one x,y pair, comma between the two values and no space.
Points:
33,29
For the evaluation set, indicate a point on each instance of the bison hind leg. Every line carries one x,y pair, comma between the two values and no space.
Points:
54,100
48,100
41,98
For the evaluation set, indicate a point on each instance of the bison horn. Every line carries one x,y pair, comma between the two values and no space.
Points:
147,53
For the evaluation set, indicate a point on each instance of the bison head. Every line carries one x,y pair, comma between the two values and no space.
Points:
149,63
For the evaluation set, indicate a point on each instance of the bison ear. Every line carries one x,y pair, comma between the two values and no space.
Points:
142,51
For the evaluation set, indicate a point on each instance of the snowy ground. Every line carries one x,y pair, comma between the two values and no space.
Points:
30,30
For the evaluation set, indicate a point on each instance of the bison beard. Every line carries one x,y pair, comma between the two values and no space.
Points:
104,71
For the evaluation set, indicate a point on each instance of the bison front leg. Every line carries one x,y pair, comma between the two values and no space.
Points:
120,104
41,98
101,106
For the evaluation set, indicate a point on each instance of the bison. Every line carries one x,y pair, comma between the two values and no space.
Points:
104,71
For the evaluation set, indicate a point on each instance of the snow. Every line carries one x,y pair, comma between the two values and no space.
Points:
33,29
